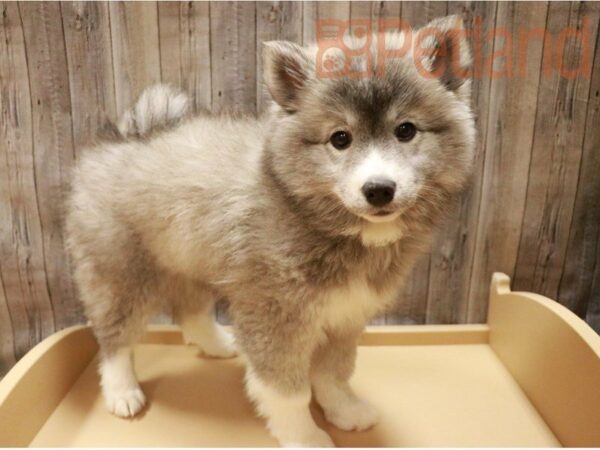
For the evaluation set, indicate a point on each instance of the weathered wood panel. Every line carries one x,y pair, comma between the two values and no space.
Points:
333,10
14,98
532,209
88,47
22,261
184,32
556,155
7,348
579,288
233,56
309,21
135,49
53,150
508,141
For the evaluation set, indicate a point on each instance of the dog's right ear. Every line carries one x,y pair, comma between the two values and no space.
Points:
443,42
287,69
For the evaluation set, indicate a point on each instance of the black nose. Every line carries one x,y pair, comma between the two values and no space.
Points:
379,192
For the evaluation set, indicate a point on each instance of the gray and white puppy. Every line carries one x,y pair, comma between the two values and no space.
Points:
307,219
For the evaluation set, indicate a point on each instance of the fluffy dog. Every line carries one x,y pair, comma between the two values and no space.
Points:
306,219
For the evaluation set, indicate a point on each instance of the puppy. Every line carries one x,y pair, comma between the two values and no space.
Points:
307,219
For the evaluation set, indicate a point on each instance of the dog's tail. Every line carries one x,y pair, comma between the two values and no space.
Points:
158,108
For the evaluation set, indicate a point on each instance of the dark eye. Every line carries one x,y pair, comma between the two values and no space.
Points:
341,140
405,131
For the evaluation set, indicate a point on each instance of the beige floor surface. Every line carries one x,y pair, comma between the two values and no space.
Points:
432,395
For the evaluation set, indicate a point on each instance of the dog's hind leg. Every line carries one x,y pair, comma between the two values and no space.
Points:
194,312
118,311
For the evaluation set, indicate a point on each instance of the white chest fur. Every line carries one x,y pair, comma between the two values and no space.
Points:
351,306
380,234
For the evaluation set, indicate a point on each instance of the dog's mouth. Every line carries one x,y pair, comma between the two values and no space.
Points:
381,215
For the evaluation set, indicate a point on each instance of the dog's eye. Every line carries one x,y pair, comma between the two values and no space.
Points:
405,131
341,140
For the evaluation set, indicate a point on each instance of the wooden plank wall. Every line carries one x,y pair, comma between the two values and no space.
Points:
532,211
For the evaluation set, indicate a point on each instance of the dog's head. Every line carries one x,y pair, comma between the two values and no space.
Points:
372,150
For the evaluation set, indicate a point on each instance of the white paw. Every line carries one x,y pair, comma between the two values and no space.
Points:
221,345
356,415
317,438
125,403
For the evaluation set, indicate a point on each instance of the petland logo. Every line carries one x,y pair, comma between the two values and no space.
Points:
349,48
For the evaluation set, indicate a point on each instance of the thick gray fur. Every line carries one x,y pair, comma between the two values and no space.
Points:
257,210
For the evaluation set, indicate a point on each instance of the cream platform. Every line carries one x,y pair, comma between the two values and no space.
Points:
529,377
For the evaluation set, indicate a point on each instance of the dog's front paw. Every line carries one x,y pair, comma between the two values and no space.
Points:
125,403
316,438
352,415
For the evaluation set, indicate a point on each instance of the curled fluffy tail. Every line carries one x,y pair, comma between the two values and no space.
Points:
160,107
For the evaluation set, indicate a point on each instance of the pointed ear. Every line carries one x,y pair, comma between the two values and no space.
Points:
287,68
442,50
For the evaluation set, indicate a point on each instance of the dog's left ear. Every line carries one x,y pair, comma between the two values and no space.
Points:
443,50
287,69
